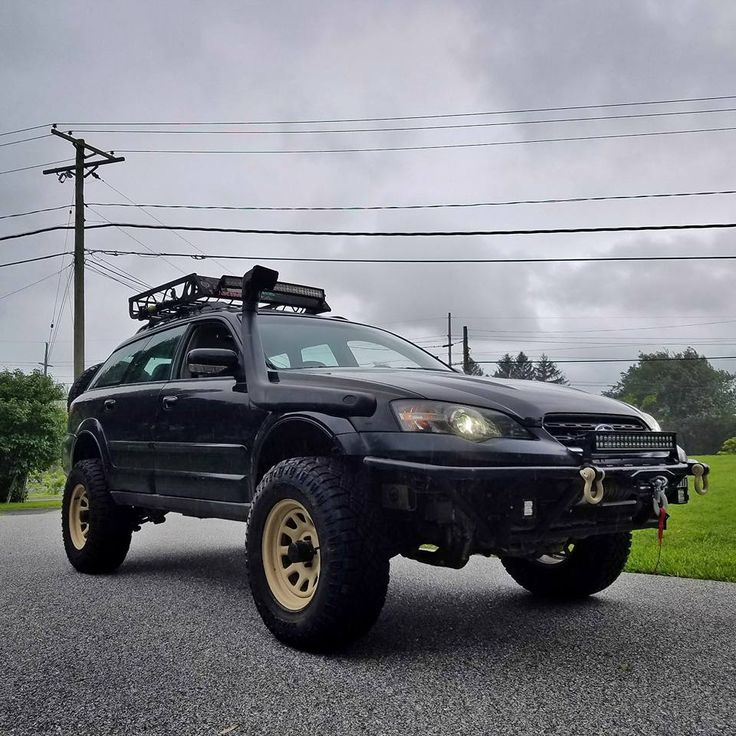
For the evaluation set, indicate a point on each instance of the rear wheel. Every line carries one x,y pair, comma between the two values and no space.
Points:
95,529
317,567
578,569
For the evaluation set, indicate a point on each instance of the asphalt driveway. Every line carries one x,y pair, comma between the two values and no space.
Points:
172,644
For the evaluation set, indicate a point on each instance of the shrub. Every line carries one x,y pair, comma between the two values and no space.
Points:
729,447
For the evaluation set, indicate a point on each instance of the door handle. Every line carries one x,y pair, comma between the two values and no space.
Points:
109,404
169,401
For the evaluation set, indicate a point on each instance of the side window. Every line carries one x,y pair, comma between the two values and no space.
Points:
154,362
116,366
208,335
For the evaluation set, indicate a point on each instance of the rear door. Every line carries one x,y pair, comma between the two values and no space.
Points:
124,398
205,426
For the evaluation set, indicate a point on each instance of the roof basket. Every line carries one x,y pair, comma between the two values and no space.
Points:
193,291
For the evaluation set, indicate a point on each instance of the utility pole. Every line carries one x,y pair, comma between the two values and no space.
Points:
45,363
81,169
466,350
449,339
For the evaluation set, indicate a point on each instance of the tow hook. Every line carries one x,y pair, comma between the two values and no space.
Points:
700,478
659,495
593,477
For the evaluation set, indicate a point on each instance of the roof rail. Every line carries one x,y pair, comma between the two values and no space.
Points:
193,291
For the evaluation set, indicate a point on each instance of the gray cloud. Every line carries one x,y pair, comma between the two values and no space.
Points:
236,61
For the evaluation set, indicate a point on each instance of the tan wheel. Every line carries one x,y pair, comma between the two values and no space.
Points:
79,516
290,552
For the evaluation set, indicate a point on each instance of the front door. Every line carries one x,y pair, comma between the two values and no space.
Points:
205,426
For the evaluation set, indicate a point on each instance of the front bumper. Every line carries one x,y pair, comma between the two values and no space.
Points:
523,509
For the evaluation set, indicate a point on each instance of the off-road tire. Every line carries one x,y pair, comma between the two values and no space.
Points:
354,561
80,385
593,564
110,526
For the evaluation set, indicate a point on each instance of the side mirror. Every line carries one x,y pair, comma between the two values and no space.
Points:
212,361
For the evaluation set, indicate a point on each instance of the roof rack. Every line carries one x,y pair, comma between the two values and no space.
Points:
178,297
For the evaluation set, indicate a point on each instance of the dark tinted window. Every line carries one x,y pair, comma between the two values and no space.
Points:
117,364
154,362
208,335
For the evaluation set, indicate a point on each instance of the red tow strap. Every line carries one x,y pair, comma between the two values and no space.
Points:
660,527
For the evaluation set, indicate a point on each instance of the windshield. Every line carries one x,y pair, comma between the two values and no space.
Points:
298,342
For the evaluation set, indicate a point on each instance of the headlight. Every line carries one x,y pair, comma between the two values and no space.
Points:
652,422
468,422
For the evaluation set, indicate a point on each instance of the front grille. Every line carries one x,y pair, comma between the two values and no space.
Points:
571,429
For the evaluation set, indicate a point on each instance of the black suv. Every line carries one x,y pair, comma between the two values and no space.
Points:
342,445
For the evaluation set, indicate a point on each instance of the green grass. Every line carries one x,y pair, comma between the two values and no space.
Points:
33,502
700,541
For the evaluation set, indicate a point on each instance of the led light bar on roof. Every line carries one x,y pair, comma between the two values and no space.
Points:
193,291
309,298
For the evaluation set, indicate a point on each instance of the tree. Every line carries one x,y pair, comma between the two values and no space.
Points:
523,368
473,369
548,372
31,428
685,393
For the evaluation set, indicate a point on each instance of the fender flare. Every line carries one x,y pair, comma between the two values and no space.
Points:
91,428
337,430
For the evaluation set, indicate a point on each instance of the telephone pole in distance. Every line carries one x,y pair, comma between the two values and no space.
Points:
79,171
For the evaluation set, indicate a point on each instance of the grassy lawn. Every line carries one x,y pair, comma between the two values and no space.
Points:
33,502
700,541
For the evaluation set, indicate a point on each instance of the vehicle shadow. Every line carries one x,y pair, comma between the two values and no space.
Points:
420,616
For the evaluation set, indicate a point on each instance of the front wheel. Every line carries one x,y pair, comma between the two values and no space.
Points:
580,568
317,567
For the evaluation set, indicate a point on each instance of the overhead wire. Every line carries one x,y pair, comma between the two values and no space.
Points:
597,106
37,166
388,233
33,283
438,205
154,218
26,140
431,147
411,128
293,259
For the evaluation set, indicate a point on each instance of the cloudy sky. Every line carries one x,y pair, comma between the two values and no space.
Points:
86,65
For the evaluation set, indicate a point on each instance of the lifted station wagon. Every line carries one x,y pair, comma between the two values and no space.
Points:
342,445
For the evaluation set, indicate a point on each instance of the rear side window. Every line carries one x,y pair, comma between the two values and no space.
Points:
147,359
154,362
115,367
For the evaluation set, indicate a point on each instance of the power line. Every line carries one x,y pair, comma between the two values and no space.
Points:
37,166
411,128
154,218
440,205
24,130
426,117
132,237
397,233
33,283
626,360
36,212
434,147
415,260
33,260
25,140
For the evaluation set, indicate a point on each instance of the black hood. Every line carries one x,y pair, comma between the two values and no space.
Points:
528,400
